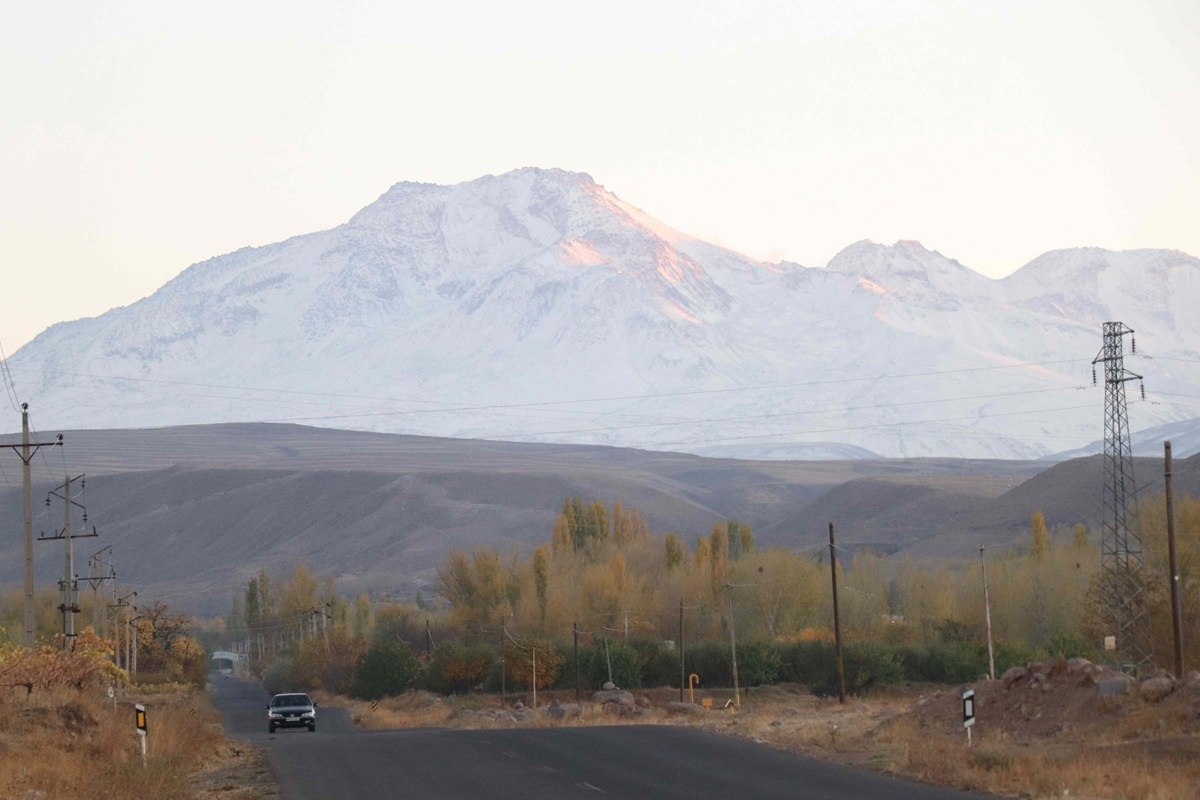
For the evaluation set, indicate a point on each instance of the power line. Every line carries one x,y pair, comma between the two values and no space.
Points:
691,392
858,427
612,398
832,409
10,387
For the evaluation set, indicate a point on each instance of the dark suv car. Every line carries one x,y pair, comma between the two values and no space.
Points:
291,711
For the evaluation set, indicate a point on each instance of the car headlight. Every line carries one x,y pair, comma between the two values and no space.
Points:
274,715
309,714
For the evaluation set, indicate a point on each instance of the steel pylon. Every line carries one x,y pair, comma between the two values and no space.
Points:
1123,580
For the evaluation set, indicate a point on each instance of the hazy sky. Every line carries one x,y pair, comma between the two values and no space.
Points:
139,137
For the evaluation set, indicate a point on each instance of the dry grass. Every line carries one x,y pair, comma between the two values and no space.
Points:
71,744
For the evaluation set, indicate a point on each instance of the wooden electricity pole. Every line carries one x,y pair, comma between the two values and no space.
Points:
837,622
987,615
1176,600
737,694
682,666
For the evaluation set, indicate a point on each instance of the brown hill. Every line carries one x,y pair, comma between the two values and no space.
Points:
192,512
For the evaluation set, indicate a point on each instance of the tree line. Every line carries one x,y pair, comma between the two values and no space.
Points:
605,577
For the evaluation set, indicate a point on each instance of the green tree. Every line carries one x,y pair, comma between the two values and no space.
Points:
251,605
385,670
541,580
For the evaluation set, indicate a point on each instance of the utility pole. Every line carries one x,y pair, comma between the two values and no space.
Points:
95,578
1176,600
607,657
837,622
737,694
120,609
503,666
682,669
987,615
575,633
134,640
25,451
70,582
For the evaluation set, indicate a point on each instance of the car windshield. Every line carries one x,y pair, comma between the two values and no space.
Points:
291,700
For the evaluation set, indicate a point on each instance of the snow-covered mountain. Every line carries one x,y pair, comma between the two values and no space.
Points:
538,306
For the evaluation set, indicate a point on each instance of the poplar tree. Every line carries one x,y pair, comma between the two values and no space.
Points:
1039,535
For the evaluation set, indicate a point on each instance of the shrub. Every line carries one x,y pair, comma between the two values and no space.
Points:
280,676
954,662
660,664
866,665
384,670
627,663
518,664
1070,646
758,663
806,662
459,668
711,661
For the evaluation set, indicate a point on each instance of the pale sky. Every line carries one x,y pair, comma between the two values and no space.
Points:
137,138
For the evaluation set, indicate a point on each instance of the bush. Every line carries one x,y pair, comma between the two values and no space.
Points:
518,664
384,670
660,664
955,662
627,663
280,676
459,668
711,661
1070,646
806,663
866,664
758,663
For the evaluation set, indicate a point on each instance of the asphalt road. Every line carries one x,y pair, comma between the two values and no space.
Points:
643,761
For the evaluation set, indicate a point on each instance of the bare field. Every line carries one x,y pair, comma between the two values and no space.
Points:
69,744
1068,742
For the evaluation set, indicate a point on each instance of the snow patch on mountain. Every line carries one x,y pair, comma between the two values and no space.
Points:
538,306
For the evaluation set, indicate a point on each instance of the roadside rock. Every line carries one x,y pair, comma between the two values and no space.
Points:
559,710
1012,675
1155,689
1077,665
1114,685
615,697
1191,679
676,707
1050,667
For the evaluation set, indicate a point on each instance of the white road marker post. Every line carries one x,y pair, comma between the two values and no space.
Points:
139,716
968,698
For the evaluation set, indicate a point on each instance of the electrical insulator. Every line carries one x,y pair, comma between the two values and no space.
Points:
1143,391
1093,376
1133,344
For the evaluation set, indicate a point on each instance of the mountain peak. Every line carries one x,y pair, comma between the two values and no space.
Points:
537,286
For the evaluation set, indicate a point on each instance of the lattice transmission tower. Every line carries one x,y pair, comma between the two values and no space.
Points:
1123,587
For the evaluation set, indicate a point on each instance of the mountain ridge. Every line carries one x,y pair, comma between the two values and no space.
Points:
517,296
